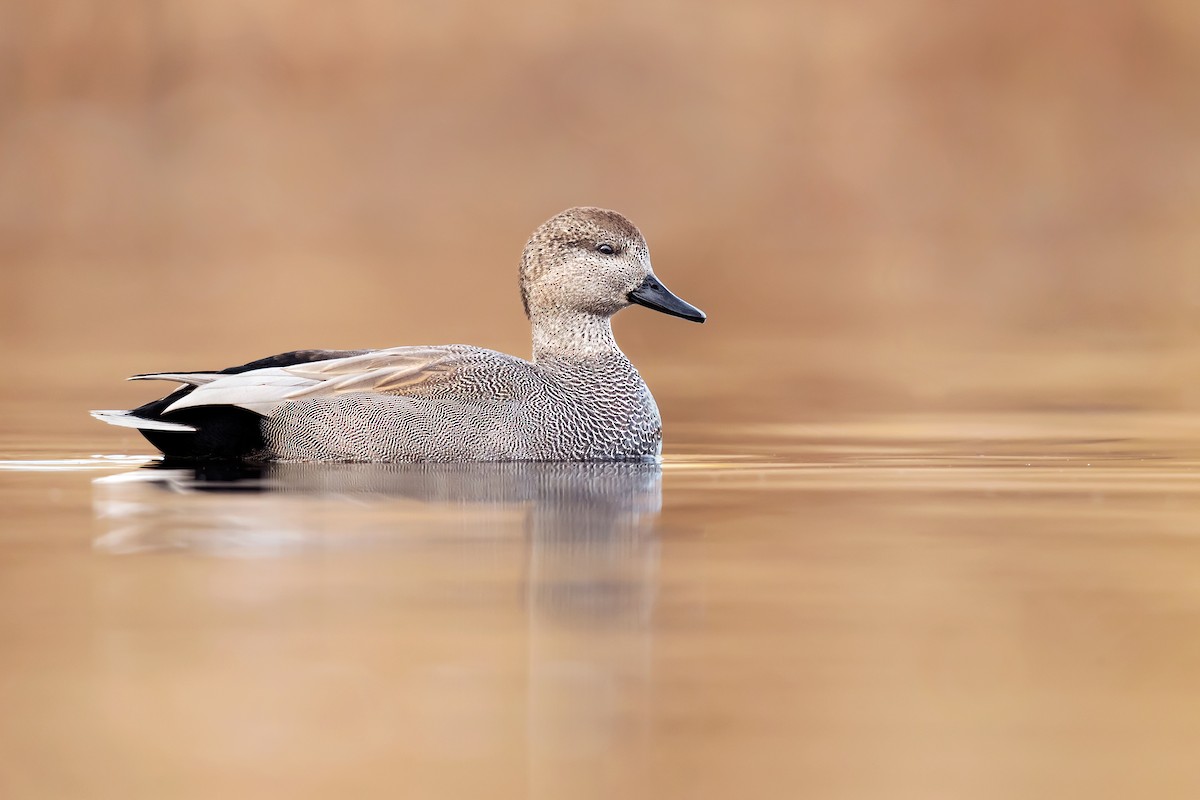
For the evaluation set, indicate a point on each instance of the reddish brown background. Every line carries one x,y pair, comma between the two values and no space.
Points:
925,205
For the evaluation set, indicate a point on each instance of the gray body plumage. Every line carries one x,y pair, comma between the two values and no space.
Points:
578,399
487,406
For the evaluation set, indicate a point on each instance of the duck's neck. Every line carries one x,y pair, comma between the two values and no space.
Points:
573,337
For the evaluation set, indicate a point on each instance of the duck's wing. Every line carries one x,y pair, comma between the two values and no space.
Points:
395,371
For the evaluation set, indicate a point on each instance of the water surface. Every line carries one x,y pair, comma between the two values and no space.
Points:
907,606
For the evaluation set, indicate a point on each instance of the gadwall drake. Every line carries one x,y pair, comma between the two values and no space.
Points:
578,399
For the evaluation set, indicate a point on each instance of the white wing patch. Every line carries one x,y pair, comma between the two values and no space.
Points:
260,390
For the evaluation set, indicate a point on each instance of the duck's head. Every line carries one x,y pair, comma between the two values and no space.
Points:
593,261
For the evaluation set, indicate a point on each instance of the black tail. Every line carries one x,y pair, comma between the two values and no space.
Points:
222,432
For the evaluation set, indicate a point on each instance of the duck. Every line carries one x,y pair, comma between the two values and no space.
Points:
577,399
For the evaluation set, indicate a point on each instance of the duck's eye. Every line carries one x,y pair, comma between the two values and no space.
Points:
605,248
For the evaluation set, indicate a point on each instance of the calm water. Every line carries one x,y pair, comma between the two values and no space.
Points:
899,607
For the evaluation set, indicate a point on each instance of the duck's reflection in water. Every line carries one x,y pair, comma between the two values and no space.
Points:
490,588
589,528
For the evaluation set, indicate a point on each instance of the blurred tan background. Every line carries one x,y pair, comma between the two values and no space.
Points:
927,205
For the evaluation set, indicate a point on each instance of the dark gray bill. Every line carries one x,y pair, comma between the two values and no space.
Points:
652,294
